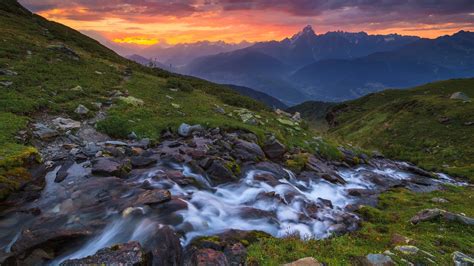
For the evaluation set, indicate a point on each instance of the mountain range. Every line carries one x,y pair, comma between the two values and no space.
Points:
338,66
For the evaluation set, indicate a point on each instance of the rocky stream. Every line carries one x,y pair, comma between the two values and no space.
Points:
98,200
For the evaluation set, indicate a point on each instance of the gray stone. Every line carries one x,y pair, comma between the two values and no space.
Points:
459,96
66,123
186,130
7,72
150,197
379,260
407,250
43,132
132,136
81,110
247,151
439,200
461,259
6,83
109,167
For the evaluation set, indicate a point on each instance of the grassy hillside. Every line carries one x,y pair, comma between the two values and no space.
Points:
422,125
50,68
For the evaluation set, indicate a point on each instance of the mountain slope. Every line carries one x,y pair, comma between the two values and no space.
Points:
259,96
47,69
422,125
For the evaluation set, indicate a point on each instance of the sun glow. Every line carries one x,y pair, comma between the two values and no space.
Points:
140,40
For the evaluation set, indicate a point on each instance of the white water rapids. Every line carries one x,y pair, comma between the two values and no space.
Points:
280,207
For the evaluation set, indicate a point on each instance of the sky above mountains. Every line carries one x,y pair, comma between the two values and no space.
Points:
148,22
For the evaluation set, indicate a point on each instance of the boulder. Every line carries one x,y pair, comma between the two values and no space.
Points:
122,254
274,149
219,173
66,124
165,247
6,83
186,130
247,151
459,96
81,110
109,167
142,161
324,170
305,262
433,214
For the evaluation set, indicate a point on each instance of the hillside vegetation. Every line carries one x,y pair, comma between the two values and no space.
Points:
422,125
48,68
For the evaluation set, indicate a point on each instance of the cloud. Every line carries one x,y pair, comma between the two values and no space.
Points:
255,20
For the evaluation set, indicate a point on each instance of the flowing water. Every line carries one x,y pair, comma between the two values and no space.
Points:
277,205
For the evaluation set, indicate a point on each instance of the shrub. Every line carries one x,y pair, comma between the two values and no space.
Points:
175,83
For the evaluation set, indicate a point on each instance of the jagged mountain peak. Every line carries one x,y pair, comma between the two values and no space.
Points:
306,32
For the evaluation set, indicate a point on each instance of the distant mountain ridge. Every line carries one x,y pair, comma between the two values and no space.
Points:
338,66
282,58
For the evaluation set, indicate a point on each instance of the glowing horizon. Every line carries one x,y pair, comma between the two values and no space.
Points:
150,22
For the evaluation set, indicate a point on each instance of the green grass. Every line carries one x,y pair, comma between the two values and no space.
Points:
404,124
440,238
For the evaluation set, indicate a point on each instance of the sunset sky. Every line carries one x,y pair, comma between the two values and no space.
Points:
147,22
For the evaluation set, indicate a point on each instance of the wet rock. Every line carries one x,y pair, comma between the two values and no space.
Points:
219,173
433,214
142,161
81,110
461,259
378,260
274,149
63,171
116,143
49,236
273,168
165,247
44,132
66,124
130,254
359,192
150,197
91,149
267,178
304,262
38,257
208,257
186,130
407,250
248,151
109,167
324,170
